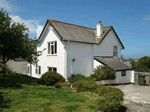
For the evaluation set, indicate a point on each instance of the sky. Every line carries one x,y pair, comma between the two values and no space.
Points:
130,18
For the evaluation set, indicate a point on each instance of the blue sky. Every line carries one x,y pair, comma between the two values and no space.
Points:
130,18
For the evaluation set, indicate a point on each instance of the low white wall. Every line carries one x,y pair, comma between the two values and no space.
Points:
129,78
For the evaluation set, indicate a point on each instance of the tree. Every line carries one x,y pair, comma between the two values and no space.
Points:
14,41
142,65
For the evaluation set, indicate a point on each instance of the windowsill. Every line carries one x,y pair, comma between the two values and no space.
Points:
51,54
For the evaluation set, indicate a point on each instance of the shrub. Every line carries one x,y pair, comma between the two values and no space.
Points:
75,77
51,78
103,73
57,85
85,85
110,98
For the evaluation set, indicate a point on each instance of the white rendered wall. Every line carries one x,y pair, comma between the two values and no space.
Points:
46,60
129,78
83,55
96,64
105,48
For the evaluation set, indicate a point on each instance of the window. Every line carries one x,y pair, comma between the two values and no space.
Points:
38,70
52,47
52,69
115,51
28,69
123,73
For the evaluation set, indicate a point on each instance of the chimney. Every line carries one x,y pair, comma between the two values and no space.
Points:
99,29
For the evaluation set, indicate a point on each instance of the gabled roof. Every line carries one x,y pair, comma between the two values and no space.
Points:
76,33
113,63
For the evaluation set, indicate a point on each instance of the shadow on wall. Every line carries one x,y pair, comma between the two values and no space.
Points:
3,102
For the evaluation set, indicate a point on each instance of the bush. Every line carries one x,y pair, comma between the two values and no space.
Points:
85,85
57,85
51,78
76,77
110,98
103,73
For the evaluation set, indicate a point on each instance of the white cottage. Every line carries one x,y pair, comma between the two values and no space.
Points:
68,48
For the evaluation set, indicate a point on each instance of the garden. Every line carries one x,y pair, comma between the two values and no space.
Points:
51,93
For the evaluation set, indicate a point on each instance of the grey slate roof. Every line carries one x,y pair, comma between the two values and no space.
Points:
113,63
76,33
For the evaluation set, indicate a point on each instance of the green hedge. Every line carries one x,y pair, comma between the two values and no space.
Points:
85,85
51,78
76,77
110,98
103,73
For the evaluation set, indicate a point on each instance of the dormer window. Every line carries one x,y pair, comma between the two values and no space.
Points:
115,51
52,47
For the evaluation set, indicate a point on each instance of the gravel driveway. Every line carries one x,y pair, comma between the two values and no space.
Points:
136,98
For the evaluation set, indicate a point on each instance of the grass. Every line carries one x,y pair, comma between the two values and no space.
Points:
22,94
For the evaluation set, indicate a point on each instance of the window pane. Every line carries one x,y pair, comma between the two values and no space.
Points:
39,69
36,70
28,69
48,48
115,47
52,49
55,69
49,68
123,73
115,53
55,47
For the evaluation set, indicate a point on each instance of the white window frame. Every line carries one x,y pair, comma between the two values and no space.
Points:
115,50
52,68
50,45
123,73
38,70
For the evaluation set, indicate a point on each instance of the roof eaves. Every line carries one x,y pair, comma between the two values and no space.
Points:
118,38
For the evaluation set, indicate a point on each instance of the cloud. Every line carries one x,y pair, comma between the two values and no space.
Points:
7,6
146,18
33,25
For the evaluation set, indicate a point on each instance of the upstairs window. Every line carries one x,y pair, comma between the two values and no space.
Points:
52,47
123,73
115,51
52,69
38,70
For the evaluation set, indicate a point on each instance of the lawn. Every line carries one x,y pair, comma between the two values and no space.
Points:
22,94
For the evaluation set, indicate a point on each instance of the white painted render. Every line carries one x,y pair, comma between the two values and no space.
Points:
96,64
83,55
75,57
46,60
106,46
129,78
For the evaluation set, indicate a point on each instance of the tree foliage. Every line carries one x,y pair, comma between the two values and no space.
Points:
14,41
142,65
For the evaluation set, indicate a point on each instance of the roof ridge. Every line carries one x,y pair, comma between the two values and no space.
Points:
78,25
73,24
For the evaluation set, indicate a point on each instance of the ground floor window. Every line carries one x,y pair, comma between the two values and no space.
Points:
28,70
38,70
123,73
54,69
